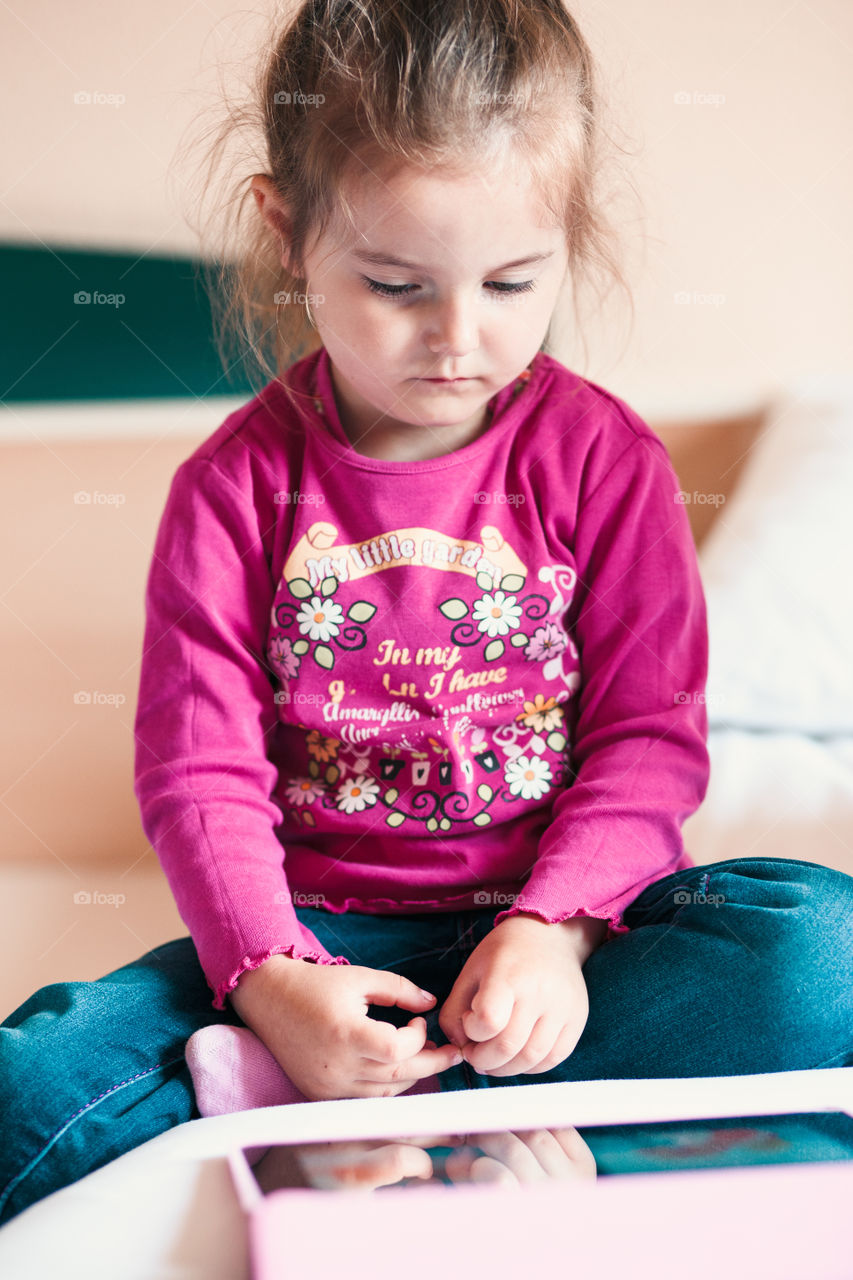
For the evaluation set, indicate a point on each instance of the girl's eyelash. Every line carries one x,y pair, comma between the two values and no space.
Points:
402,290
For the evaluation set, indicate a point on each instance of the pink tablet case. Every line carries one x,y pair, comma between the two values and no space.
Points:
791,1222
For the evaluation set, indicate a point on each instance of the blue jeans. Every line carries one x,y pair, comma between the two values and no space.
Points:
733,968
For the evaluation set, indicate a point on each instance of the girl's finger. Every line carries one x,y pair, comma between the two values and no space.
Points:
490,1011
491,1058
419,1066
563,1047
385,988
378,1041
533,1154
542,1030
383,1044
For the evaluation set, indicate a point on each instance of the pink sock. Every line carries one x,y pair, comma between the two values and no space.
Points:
233,1070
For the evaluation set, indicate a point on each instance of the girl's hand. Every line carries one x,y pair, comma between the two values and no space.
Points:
512,1157
520,1003
313,1019
343,1166
521,1156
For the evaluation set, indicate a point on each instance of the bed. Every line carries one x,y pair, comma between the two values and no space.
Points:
767,492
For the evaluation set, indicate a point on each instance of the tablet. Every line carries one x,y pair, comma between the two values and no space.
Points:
519,1156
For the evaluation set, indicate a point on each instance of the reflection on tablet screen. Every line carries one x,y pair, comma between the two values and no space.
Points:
567,1154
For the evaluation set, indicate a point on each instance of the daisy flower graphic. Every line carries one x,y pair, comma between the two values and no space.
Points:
357,794
301,791
528,776
497,614
320,619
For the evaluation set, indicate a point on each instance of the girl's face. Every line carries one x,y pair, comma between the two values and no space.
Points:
478,272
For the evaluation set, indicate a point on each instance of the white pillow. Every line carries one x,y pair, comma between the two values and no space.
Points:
777,575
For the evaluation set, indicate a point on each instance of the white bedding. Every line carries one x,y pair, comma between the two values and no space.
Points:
776,795
168,1211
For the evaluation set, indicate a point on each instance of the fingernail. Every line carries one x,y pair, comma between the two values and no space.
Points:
456,1059
426,995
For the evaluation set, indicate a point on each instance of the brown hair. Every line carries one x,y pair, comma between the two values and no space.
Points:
348,87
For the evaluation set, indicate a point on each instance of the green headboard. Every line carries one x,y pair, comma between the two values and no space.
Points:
145,332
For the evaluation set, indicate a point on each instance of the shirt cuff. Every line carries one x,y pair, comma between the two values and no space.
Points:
249,962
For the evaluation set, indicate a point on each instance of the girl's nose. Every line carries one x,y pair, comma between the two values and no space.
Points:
452,329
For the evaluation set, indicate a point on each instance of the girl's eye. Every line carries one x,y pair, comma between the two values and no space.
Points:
402,290
387,290
505,286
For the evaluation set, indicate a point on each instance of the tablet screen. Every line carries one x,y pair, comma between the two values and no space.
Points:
536,1155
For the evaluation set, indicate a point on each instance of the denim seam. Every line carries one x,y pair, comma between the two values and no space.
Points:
14,1182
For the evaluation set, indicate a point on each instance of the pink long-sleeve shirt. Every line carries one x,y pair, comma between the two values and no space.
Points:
466,681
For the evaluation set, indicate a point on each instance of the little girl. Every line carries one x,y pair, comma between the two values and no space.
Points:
421,707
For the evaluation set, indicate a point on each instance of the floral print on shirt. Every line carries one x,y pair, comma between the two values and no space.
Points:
465,752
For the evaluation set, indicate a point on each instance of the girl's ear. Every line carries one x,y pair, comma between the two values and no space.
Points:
274,211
